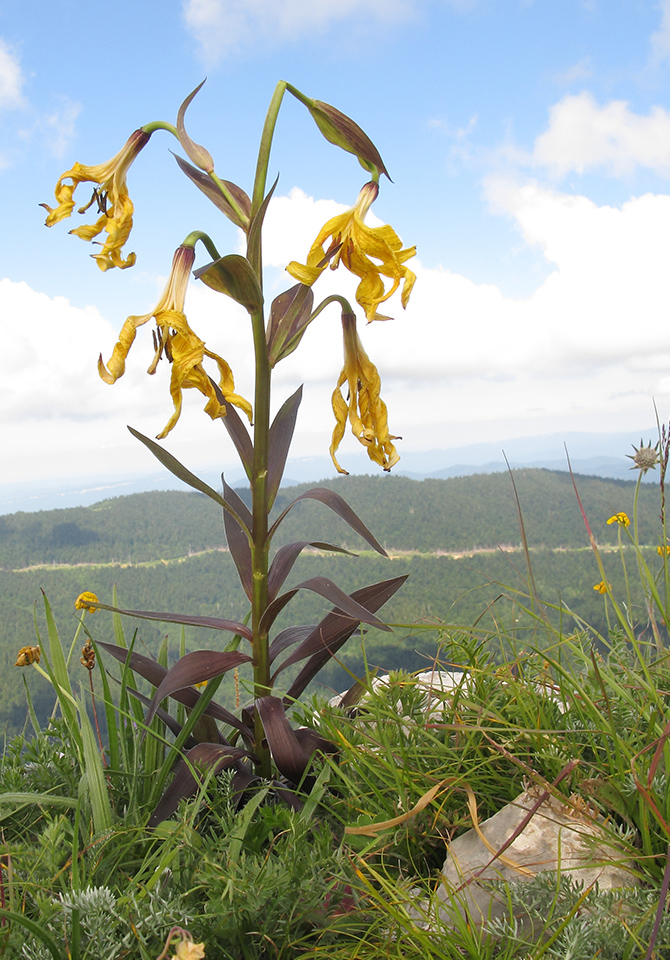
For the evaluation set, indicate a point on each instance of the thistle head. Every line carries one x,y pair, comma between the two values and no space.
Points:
645,457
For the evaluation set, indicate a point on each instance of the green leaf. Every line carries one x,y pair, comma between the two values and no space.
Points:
234,276
95,775
36,931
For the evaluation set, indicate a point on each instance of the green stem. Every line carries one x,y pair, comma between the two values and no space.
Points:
259,471
229,198
205,239
160,125
265,146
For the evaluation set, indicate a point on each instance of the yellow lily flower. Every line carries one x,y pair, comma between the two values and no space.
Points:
184,350
365,409
114,206
353,243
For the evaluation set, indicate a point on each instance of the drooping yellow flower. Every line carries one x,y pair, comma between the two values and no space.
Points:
601,587
183,349
358,246
28,655
364,409
187,950
663,551
84,601
620,518
114,206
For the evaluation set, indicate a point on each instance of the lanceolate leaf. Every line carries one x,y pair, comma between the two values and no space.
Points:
287,638
236,430
177,468
290,757
201,760
212,192
338,506
154,673
212,623
347,607
346,604
254,241
287,555
238,539
333,632
195,667
281,434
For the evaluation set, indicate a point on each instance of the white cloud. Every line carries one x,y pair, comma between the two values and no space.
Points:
582,136
11,78
222,26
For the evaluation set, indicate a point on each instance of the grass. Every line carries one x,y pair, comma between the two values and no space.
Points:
334,871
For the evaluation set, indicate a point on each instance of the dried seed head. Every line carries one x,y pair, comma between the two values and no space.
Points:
645,457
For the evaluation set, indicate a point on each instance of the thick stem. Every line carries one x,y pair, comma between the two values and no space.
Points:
259,472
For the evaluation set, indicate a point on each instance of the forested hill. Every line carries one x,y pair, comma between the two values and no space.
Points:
458,514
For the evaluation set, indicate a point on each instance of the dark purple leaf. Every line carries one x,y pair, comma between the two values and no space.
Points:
212,623
313,742
200,760
178,469
273,610
237,431
195,667
281,434
254,235
339,506
290,315
287,555
163,715
346,604
290,797
287,638
237,537
205,183
288,754
155,673
332,633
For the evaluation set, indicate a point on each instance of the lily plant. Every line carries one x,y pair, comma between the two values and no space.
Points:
261,742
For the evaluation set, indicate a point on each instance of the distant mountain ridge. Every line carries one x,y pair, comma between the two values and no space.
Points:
591,454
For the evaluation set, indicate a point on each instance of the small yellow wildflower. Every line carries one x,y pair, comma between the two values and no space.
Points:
663,551
620,518
365,409
28,655
353,243
114,206
601,587
181,346
84,600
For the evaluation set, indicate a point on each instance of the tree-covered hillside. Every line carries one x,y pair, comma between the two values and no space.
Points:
163,551
461,513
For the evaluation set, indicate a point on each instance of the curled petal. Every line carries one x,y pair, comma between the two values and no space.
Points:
110,195
365,410
370,253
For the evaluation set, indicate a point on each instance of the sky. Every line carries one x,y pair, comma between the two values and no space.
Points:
528,143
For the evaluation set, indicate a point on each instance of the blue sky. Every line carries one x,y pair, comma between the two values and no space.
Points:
529,145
